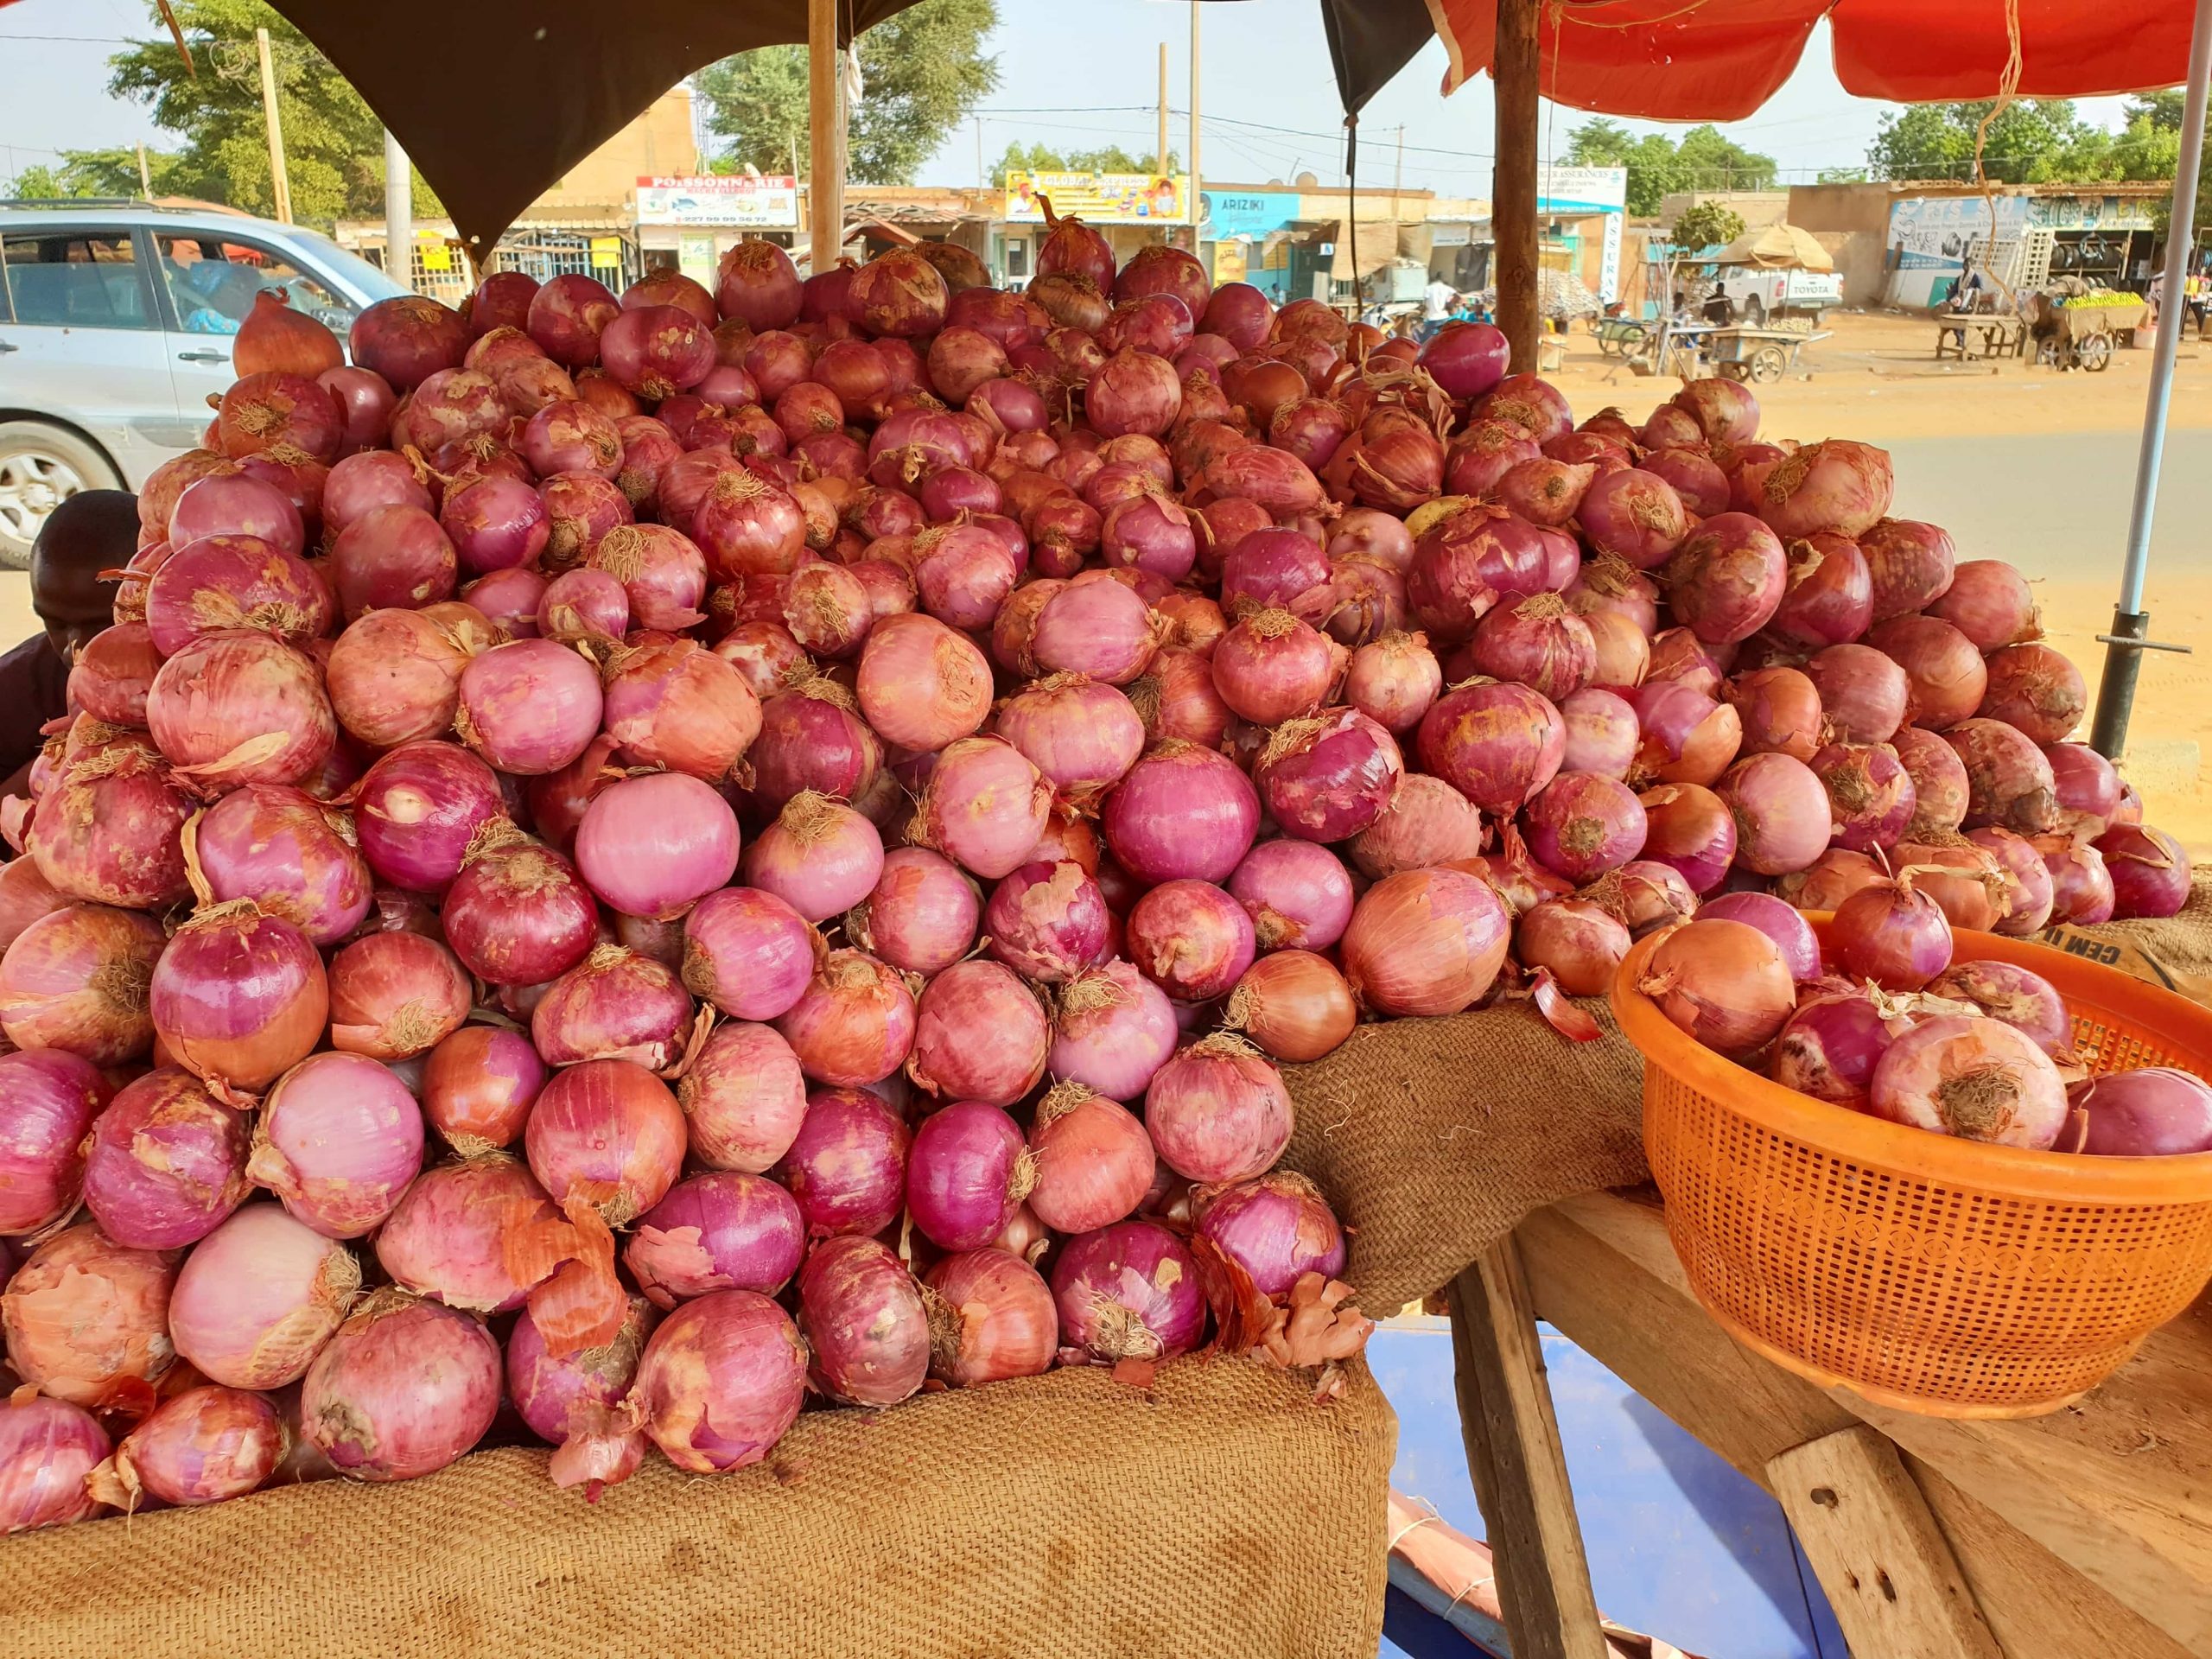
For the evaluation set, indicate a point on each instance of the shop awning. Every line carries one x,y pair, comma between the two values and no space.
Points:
1720,60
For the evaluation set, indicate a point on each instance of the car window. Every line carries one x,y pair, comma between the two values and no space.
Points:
213,281
75,279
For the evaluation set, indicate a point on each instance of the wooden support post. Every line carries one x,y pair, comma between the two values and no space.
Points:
1518,1465
1517,67
1889,1572
825,180
1197,179
280,187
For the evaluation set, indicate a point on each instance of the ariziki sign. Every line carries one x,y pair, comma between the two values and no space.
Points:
720,198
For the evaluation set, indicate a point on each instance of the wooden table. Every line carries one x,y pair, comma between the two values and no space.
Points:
1998,337
2087,1532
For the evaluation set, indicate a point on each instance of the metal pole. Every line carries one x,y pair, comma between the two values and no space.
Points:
280,187
825,147
146,178
1198,180
1163,107
400,215
2130,622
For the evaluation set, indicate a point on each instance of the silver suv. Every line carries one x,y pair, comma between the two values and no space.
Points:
116,319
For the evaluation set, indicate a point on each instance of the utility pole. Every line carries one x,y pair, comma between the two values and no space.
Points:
279,186
1163,107
1398,174
826,159
980,180
1517,71
146,178
399,216
1197,179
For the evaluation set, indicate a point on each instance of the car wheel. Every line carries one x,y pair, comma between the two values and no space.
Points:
40,467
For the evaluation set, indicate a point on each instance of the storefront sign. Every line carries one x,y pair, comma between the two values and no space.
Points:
1225,213
694,256
719,199
1229,264
607,253
1582,189
1101,198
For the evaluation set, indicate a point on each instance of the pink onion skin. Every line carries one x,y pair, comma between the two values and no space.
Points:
1181,811
2154,1111
1272,666
234,581
1496,744
1424,943
478,1234
655,845
1870,792
922,684
1047,921
967,1175
239,996
87,1319
748,952
984,807
1278,1228
2035,688
1791,934
1827,596
1298,895
258,1297
1652,895
338,1140
1864,693
199,1446
1910,565
1093,1161
529,707
1780,708
166,1163
1838,486
48,1448
863,1318
219,705
2013,996
1193,939
1328,778
402,1389
1724,983
1727,577
1829,1047
1939,790
819,856
393,995
478,1085
74,981
1725,411
1393,681
1991,603
417,810
1094,626
2009,783
1428,823
1633,514
1781,813
744,1096
616,1004
2080,885
757,284
1112,1029
1218,1111
2029,889
1127,1292
1602,733
610,1132
365,404
1577,940
113,672
673,704
1083,736
854,1024
1973,1077
573,1401
286,852
722,1231
2150,871
1690,829
2083,779
721,1380
518,913
1582,825
1893,934
924,913
1944,672
110,838
847,1169
979,1034
991,1317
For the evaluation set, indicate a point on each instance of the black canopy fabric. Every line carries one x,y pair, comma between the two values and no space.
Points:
495,99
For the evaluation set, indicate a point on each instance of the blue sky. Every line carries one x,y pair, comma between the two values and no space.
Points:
1268,98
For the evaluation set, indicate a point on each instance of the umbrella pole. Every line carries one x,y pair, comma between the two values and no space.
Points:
825,182
2129,638
1516,66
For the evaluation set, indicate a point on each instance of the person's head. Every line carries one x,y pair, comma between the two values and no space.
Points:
90,532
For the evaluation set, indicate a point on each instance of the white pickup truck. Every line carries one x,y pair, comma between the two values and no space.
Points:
1758,292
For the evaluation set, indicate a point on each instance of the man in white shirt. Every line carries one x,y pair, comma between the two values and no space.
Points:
1437,301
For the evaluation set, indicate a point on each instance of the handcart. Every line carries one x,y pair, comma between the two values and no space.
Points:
1759,355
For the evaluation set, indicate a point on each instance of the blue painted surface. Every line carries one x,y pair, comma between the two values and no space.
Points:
1680,1544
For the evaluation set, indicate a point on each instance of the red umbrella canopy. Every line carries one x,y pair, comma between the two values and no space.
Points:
1720,60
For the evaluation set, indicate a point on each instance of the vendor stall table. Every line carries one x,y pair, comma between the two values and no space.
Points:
2088,1531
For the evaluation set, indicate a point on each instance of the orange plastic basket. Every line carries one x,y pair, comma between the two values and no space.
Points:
1937,1275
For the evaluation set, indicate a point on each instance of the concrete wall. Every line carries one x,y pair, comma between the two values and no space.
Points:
1851,221
659,142
1755,207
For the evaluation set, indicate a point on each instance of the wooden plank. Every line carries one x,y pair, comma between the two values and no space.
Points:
1518,1465
1516,66
825,179
1878,1552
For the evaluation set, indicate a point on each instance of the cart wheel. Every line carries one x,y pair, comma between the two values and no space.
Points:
2096,352
1768,364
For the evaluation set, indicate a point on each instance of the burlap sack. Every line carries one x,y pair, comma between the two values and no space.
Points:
1220,1515
1435,1137
2174,952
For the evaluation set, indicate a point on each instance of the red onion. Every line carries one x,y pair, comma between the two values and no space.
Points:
1977,1078
984,807
1891,933
1828,596
1277,1227
671,703
1838,486
240,708
900,294
2154,1111
508,599
1910,566
2084,781
979,1035
2009,783
229,581
1792,935
518,913
616,1004
1724,983
2001,991
1047,921
922,684
1870,792
238,996
811,738
395,995
165,1163
529,707
991,1317
1393,681
1081,736
1577,941
1863,692
1424,943
1646,894
757,284
1973,887
1582,825
863,1318
274,410
1329,777
364,404
819,856
610,1134
291,855
478,1235
1181,810
653,845
2081,884
199,1446
25,897
922,916
1240,313
1270,568
1988,600
407,339
847,1168
1496,744
967,1175
1094,626
2150,871
1781,813
1940,789
75,981
720,1381
1544,491
402,1388
394,676
87,1319
418,808
236,504
478,1085
657,351
574,1402
1779,709
48,1450
1678,657
1725,411
1296,894
1944,673
1293,1004
722,1231
52,1099
745,1097
1176,700
1192,938
1538,643
1726,578
1428,823
1128,1291
258,1297
2031,687
584,509
663,573
1831,1045
1112,1029
854,1022
338,1140
1277,480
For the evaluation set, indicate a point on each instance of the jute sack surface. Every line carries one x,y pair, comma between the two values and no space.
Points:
2176,951
1223,1515
1432,1138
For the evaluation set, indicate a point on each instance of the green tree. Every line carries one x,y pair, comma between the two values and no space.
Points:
1041,158
39,182
1707,224
1703,159
333,147
2151,149
2030,141
922,71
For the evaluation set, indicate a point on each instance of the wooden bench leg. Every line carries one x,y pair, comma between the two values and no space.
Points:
1519,1468
1886,1567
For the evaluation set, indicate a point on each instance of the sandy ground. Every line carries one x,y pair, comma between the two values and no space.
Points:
2019,463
